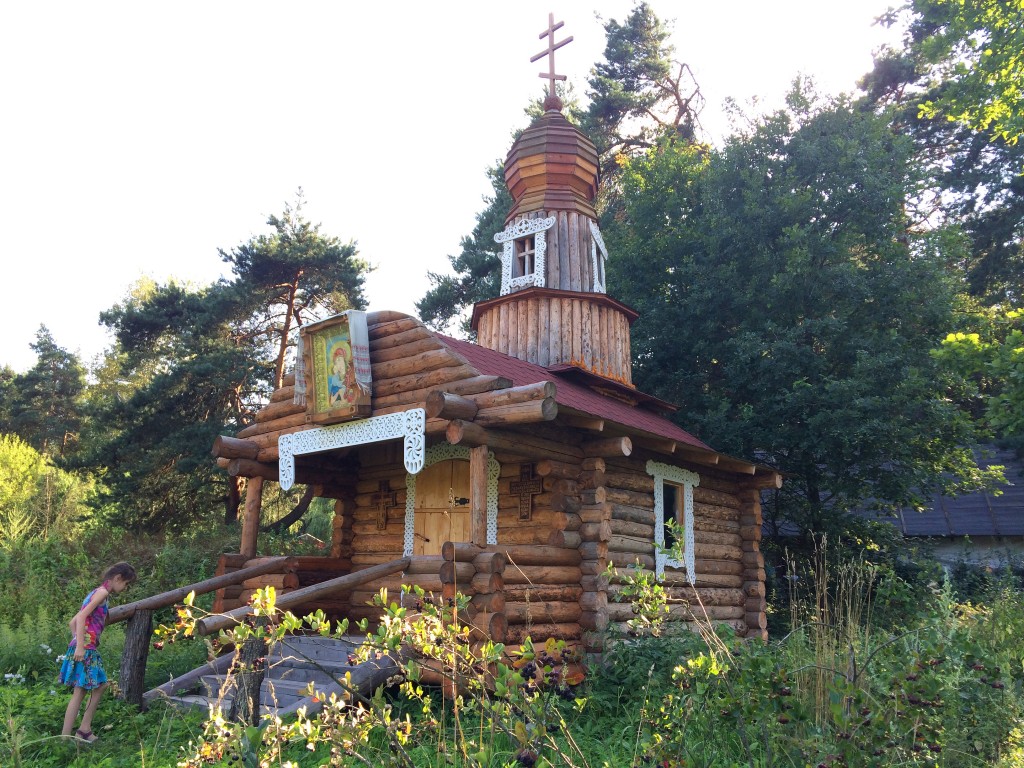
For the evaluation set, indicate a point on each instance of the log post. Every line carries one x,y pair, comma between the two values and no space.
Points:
134,657
245,707
251,520
478,495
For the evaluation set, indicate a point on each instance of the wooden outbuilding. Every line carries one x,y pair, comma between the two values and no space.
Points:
514,469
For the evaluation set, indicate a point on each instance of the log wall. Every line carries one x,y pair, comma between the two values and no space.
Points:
724,580
553,330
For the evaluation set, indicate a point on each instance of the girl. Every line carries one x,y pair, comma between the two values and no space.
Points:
83,668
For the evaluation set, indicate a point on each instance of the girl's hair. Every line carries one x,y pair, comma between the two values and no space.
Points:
124,570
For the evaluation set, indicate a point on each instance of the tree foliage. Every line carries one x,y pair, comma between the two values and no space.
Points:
988,364
973,49
199,362
786,305
44,405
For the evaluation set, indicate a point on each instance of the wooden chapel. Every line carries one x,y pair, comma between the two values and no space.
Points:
514,469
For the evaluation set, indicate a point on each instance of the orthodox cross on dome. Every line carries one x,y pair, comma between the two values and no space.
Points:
551,77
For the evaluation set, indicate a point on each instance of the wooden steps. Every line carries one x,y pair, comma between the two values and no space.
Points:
302,671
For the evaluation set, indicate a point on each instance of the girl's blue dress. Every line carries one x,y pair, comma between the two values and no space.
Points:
89,672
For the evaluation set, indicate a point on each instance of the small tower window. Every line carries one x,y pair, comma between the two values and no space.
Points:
522,258
526,252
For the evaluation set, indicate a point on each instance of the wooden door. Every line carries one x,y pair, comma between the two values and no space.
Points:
442,506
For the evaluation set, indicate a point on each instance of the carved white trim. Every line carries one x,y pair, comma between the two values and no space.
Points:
688,480
598,258
409,425
443,452
511,233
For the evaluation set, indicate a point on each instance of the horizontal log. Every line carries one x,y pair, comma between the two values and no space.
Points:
490,562
593,550
489,626
702,536
298,597
283,394
706,595
704,495
542,612
630,481
601,531
561,469
539,633
164,599
755,589
629,528
399,351
630,498
565,593
429,380
594,622
541,574
569,539
517,535
521,556
399,339
387,322
540,390
609,446
518,413
453,572
593,601
278,581
424,564
715,512
276,426
632,513
493,602
471,434
485,584
418,362
755,620
232,448
445,405
468,384
625,611
275,411
460,551
630,544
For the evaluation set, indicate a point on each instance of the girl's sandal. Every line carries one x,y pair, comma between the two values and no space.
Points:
87,736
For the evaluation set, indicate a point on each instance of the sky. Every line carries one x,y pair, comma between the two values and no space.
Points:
138,138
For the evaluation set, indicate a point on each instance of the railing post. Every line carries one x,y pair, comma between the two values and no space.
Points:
245,706
133,660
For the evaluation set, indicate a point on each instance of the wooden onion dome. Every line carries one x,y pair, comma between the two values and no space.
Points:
552,166
553,309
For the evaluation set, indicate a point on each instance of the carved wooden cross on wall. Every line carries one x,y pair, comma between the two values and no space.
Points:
526,486
384,498
551,77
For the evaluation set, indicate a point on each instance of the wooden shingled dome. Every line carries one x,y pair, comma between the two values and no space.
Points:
552,166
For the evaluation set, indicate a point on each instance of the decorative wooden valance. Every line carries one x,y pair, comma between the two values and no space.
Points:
410,425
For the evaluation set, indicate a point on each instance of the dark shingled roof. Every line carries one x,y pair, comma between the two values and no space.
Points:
972,514
569,393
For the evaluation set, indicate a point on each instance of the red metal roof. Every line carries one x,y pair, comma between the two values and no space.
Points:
568,393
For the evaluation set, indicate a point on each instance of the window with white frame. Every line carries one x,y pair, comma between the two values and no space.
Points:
673,502
524,245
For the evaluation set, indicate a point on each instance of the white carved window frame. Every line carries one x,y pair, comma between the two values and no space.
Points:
524,228
409,425
688,481
443,452
598,258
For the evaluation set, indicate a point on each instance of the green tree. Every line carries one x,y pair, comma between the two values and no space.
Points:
785,303
45,406
638,93
973,49
294,275
35,497
199,362
988,363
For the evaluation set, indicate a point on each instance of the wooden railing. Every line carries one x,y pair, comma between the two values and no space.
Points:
139,616
341,584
